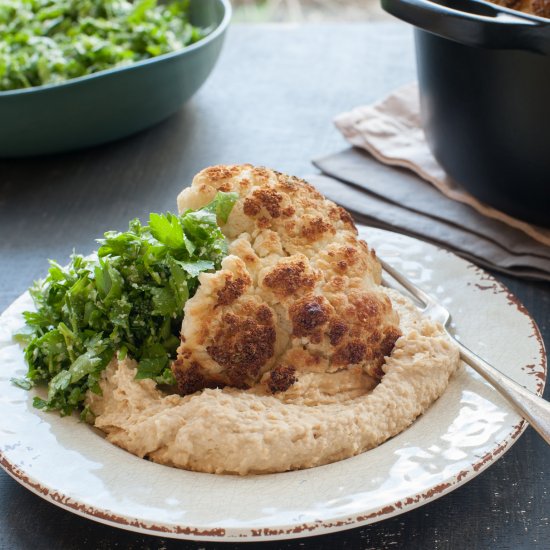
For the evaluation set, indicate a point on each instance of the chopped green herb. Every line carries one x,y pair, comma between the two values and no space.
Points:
128,299
48,41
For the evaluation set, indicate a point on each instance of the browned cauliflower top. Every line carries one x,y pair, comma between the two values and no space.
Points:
299,292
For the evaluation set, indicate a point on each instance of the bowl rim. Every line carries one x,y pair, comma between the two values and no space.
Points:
216,32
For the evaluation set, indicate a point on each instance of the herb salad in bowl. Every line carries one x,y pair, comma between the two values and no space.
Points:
77,73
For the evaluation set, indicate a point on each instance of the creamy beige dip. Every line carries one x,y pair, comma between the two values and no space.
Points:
322,418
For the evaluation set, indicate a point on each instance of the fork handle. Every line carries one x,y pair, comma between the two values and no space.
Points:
533,408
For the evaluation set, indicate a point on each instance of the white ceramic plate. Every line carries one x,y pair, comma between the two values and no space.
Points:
464,432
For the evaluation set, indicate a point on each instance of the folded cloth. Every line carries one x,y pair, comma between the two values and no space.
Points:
372,209
408,191
391,132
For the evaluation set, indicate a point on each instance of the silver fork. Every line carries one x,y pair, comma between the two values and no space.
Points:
534,409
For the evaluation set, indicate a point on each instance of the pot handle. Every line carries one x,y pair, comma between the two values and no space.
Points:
474,23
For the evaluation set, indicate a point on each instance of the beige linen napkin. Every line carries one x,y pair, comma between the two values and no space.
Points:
391,132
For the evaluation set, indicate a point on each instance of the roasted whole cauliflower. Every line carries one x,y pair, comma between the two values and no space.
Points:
298,293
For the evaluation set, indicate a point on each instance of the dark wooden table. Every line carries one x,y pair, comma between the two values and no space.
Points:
270,101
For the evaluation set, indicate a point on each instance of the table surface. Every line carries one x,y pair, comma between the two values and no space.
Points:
270,102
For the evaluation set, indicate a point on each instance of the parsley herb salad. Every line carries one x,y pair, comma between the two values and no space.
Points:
128,299
49,41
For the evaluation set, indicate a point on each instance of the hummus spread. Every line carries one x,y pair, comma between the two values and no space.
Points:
317,422
292,354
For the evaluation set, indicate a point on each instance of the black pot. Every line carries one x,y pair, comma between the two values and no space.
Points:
484,79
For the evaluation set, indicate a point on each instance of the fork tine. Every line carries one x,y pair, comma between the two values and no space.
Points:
417,292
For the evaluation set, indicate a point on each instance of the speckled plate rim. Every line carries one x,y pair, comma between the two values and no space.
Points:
484,282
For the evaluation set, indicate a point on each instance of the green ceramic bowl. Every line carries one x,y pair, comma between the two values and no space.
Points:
114,103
